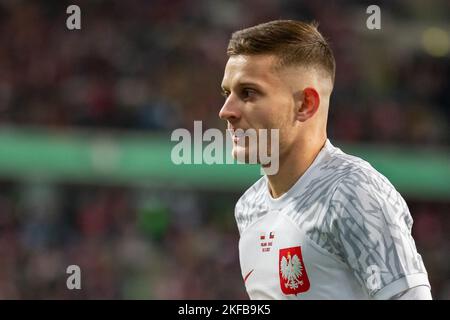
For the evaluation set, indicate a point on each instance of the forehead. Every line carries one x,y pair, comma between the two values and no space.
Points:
259,69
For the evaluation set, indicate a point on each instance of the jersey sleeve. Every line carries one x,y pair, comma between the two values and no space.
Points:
371,227
416,293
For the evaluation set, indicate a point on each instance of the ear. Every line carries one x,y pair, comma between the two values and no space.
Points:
308,104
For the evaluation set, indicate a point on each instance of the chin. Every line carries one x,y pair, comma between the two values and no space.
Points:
239,153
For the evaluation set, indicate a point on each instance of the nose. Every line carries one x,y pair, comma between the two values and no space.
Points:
230,110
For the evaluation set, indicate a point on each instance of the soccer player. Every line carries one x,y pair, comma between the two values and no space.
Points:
327,225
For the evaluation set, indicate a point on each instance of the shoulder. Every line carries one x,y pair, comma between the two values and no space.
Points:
253,195
357,179
361,187
339,174
348,167
336,167
251,204
365,205
362,194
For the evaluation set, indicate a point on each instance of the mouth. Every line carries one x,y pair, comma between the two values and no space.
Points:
236,134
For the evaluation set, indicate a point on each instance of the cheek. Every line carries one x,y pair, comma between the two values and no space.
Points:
282,116
274,113
285,122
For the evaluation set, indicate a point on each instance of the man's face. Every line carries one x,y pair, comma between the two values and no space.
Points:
258,96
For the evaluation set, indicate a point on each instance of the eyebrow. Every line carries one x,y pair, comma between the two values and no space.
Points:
245,84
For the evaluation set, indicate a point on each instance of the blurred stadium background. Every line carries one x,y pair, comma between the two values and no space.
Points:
85,123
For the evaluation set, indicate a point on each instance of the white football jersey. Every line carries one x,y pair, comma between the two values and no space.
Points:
341,232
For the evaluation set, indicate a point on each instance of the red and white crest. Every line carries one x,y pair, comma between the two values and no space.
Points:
292,271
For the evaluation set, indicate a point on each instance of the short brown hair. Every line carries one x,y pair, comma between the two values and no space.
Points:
293,42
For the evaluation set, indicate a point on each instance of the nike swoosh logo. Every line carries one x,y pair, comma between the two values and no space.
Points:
248,275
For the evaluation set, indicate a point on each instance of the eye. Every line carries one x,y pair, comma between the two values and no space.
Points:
248,93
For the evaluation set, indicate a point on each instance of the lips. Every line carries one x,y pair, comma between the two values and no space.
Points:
236,134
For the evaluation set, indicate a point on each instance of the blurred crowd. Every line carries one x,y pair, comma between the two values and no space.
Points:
156,66
129,243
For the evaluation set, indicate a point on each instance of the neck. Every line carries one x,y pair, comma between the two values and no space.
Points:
293,164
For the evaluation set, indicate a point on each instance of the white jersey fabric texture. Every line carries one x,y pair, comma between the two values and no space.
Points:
341,232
